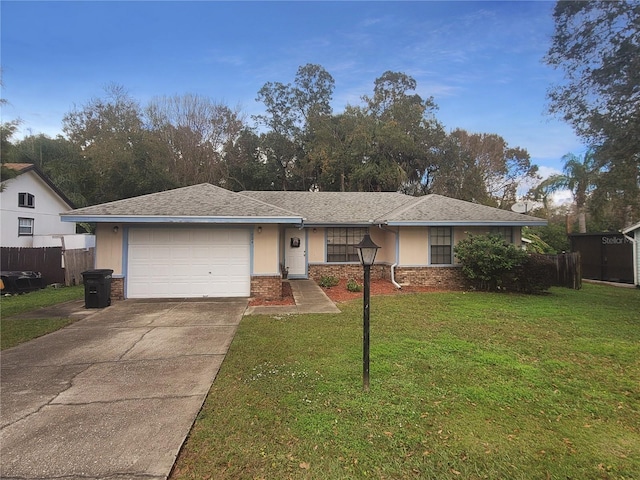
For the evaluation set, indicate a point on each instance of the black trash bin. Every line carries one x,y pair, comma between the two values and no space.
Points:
97,288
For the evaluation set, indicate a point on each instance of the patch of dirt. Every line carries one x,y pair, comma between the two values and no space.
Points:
287,298
339,293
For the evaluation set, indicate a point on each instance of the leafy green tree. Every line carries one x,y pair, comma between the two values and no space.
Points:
615,202
405,134
61,161
292,111
580,176
125,159
500,168
7,130
554,234
193,131
596,44
244,164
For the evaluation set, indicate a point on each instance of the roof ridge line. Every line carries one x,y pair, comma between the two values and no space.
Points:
400,210
267,203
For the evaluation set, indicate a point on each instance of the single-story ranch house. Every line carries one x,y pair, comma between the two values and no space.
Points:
205,241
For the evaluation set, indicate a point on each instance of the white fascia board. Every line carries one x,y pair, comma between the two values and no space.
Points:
162,219
466,224
337,225
631,228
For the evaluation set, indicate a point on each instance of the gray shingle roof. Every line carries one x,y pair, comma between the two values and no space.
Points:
208,203
202,200
439,209
335,207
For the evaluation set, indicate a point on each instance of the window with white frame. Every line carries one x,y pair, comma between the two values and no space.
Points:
440,239
341,244
506,233
26,200
25,226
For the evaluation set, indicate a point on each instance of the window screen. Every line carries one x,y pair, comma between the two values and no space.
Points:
26,200
341,244
25,226
440,238
506,233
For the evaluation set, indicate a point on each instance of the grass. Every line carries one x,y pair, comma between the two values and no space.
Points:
14,331
463,386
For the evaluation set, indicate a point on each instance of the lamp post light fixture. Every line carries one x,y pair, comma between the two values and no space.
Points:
367,252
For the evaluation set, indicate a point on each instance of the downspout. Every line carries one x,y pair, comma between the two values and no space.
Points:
393,267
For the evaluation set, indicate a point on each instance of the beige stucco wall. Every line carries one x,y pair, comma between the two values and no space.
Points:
266,245
316,245
109,247
414,243
386,240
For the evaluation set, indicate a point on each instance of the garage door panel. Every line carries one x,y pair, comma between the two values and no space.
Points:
188,262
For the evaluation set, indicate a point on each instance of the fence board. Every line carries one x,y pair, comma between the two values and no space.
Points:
75,262
48,261
568,270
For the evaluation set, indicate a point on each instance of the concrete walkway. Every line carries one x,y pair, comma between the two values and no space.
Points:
308,296
113,395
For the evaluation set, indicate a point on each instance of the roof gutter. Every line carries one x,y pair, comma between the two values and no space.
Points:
165,219
450,223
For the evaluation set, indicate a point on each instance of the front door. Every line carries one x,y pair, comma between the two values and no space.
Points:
295,252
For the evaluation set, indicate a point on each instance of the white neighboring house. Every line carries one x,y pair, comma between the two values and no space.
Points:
633,234
30,207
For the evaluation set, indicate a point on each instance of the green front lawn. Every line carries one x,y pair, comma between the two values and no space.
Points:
14,331
463,386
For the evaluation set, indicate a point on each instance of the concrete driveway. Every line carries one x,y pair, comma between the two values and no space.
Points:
113,395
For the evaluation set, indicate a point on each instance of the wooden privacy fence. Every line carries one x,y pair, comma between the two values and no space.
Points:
49,261
75,262
568,270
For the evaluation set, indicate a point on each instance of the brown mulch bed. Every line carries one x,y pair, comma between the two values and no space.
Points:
339,293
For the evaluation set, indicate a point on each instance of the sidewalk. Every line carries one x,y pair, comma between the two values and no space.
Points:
308,296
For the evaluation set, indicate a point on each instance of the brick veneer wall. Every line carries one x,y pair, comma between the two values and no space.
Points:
347,271
268,288
117,288
442,277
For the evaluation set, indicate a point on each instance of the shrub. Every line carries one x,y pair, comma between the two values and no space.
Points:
329,281
487,260
536,274
353,286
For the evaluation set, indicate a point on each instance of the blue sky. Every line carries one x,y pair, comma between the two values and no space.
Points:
481,61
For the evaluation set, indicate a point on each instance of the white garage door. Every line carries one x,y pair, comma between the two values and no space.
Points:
188,262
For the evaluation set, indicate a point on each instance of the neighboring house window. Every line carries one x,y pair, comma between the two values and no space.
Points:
26,200
440,238
25,226
506,233
341,244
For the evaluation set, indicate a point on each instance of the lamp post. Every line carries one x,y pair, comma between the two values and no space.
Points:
367,252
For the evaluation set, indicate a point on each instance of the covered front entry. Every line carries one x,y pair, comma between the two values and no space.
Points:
188,262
